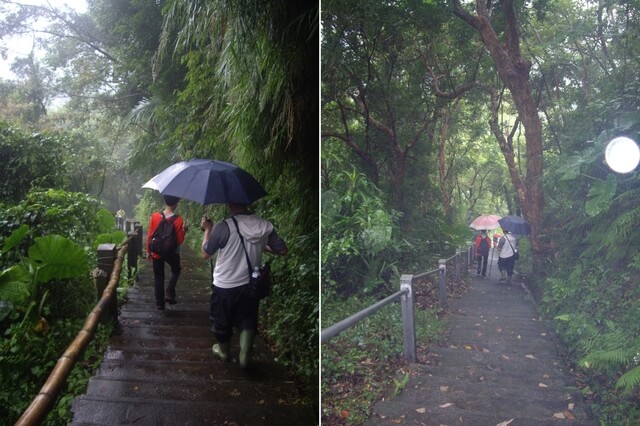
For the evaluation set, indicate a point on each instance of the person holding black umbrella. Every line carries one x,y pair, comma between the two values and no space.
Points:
508,254
239,241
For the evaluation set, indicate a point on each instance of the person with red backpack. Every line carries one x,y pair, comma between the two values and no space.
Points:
482,247
166,234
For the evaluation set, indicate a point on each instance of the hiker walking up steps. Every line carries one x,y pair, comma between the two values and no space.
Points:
166,234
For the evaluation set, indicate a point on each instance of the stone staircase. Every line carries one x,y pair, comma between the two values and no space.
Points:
498,364
159,369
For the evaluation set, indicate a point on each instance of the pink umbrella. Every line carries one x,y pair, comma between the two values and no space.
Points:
486,221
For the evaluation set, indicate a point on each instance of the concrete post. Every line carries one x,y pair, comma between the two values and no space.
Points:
458,267
134,250
442,267
408,318
106,257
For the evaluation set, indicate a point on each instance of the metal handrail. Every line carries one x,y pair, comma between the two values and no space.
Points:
49,392
405,294
337,328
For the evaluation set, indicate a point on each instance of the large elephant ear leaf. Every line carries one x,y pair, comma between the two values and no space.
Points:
15,238
57,257
15,284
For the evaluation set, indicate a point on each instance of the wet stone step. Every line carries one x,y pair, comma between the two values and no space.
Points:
524,361
182,370
164,331
492,376
388,412
120,411
541,386
207,389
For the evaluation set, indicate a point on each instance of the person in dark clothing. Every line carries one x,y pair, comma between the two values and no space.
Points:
482,247
172,259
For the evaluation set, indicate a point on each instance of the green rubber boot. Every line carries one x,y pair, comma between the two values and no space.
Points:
221,351
246,347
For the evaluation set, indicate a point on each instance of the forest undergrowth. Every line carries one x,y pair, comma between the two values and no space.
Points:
365,363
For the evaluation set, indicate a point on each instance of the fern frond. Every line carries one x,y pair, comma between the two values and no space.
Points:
629,380
607,359
627,223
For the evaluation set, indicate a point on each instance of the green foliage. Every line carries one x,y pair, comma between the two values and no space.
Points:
45,293
28,160
54,257
358,234
72,215
361,364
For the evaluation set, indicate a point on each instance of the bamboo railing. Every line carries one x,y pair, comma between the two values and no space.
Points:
104,309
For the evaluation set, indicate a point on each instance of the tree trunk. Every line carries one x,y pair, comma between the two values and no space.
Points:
513,70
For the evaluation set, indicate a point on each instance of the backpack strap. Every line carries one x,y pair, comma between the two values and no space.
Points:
243,246
171,219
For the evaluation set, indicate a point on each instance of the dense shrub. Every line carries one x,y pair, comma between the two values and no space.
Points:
29,161
46,293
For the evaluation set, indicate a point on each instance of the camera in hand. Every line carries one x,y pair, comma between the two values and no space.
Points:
208,220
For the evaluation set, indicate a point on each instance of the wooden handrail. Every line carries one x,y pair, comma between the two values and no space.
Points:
42,403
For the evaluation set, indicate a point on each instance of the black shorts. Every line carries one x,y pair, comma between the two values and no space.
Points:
232,307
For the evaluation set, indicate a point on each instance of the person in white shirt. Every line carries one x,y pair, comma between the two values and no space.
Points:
507,249
232,304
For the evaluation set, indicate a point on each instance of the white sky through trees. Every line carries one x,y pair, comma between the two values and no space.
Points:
20,46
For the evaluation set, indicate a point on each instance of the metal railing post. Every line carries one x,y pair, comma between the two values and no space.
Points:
408,317
442,267
458,266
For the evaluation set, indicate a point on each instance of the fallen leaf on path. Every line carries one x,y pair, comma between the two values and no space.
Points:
447,405
444,388
530,356
499,330
505,357
505,423
421,410
542,385
485,350
468,347
559,416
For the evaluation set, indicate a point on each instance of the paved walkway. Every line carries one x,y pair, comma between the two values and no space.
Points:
159,369
498,364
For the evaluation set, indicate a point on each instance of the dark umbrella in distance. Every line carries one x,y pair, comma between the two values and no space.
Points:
207,182
515,224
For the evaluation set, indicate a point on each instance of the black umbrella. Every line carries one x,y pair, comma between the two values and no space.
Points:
207,182
515,225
